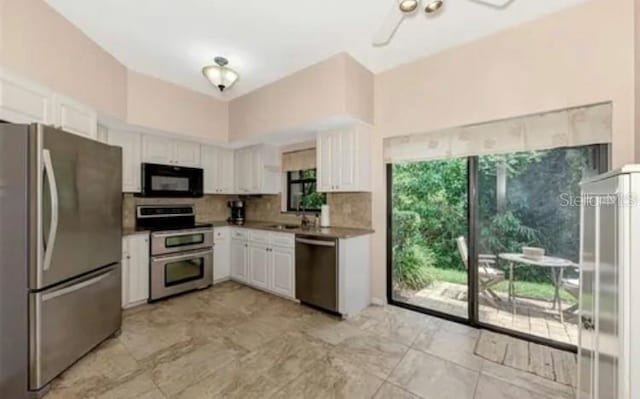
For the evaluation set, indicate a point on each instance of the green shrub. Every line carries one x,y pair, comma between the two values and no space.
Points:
412,267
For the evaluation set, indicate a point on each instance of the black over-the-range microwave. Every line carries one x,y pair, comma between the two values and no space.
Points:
171,181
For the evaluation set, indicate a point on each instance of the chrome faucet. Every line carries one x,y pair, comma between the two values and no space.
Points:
305,223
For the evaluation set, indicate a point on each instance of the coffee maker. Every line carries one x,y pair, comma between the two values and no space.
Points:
237,212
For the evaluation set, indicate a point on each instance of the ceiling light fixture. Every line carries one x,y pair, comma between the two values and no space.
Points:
408,5
220,75
433,6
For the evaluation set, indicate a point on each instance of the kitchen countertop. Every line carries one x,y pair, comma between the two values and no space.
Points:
130,231
332,232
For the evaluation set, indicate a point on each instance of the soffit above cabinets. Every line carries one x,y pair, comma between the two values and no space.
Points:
268,40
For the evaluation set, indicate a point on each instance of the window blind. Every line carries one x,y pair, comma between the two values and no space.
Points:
566,128
299,160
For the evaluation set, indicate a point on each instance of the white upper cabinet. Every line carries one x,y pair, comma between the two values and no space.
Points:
186,153
218,165
157,149
24,102
167,151
257,170
344,157
130,143
73,117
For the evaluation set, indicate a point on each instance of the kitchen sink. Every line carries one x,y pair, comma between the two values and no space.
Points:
284,226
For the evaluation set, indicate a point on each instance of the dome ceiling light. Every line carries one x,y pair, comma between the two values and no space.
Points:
220,75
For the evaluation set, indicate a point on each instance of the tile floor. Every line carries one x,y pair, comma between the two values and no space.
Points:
234,342
535,317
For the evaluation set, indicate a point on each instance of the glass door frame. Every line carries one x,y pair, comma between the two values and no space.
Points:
601,161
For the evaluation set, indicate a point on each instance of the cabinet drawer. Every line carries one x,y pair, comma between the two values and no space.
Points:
240,234
283,240
259,236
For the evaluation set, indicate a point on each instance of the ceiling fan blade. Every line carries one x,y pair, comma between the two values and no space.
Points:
390,25
494,3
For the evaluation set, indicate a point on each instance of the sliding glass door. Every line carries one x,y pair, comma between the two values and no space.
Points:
429,207
528,237
503,255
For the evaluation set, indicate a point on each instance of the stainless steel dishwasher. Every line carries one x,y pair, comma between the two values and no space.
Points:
317,271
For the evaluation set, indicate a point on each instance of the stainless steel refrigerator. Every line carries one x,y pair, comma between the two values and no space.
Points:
60,250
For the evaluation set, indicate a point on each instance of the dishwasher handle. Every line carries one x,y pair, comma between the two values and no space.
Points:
316,242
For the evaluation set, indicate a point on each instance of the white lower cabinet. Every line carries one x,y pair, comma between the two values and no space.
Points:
264,260
239,260
283,271
259,265
221,254
135,270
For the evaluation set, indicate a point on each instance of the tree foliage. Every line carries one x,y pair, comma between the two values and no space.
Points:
430,209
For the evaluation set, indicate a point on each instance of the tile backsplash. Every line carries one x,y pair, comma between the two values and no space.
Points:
346,209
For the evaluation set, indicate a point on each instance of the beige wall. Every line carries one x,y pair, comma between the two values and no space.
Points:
42,45
578,56
310,95
161,105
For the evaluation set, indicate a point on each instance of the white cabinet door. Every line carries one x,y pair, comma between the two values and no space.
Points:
221,254
245,171
157,149
74,117
209,159
258,266
135,270
130,143
186,153
24,102
324,163
239,260
218,165
282,271
225,169
346,174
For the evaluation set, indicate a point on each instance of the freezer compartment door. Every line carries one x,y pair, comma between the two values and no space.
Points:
69,320
80,211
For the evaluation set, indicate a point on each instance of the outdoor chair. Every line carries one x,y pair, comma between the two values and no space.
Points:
572,286
488,275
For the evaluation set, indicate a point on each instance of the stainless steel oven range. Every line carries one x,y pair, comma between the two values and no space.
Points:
181,250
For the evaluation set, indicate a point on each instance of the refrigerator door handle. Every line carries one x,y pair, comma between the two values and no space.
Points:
53,192
77,287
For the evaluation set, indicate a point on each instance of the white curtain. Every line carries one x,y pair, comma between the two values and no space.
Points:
567,128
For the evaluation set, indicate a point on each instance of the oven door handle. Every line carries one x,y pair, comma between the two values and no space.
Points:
180,234
183,256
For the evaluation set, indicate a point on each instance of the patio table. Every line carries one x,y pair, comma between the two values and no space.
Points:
556,265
